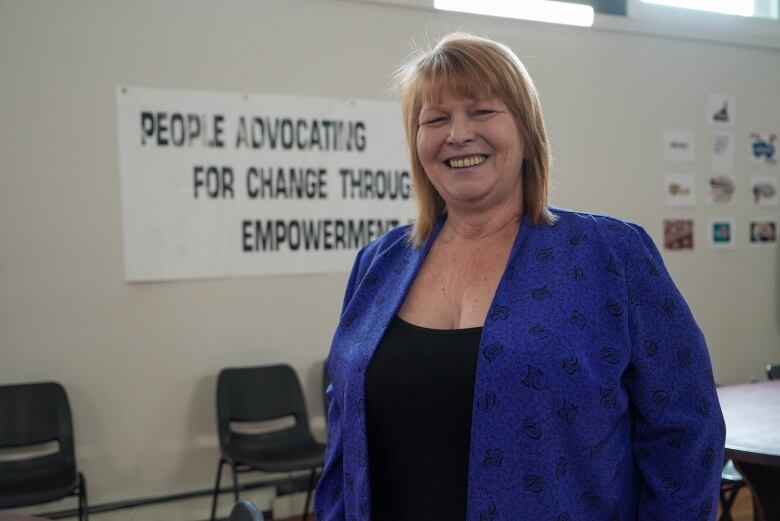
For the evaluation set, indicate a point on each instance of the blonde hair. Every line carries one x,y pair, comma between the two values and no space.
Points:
474,67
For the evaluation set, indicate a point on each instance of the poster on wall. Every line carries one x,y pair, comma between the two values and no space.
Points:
229,184
721,110
764,190
720,190
763,232
678,234
722,151
721,233
678,145
763,148
679,190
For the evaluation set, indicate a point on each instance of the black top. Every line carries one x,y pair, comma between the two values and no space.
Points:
419,394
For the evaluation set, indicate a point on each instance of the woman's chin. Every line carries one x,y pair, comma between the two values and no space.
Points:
467,199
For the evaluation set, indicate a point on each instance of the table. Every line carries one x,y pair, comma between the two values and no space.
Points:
752,414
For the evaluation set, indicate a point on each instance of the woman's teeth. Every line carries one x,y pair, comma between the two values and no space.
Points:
465,162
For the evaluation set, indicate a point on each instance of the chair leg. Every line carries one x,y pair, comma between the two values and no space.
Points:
80,506
80,499
308,493
235,481
83,505
215,497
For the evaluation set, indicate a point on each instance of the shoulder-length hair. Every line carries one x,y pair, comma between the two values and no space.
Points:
474,67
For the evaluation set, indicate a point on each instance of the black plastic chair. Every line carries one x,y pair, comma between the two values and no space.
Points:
245,510
255,394
32,415
773,371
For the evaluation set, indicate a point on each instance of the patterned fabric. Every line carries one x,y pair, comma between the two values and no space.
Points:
594,398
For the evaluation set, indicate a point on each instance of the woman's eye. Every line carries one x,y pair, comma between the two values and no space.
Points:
434,121
483,112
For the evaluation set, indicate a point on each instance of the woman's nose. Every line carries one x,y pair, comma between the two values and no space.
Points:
461,130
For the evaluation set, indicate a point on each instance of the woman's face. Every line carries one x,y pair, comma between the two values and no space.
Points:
471,151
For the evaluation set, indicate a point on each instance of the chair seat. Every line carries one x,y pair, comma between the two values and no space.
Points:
32,491
303,455
246,511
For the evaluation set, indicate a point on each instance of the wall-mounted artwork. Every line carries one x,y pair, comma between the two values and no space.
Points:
763,190
763,148
679,190
678,145
763,232
720,190
678,234
721,110
722,151
721,233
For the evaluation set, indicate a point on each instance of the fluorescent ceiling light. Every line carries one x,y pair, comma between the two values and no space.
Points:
737,7
536,10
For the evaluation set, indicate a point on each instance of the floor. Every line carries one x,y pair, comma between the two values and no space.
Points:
743,506
741,511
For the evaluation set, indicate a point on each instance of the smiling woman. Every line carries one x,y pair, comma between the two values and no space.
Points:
490,87
501,359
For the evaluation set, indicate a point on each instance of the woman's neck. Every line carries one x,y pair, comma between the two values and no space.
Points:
482,225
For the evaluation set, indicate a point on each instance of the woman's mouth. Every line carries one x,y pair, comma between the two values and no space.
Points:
467,161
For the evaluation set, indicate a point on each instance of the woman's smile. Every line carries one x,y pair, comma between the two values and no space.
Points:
466,161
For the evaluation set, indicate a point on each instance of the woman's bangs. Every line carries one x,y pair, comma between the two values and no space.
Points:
467,81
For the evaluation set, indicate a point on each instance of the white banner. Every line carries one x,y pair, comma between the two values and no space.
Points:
225,184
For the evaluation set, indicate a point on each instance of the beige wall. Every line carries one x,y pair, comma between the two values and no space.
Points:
139,360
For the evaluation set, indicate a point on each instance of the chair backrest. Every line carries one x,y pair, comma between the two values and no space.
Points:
255,394
773,371
245,510
34,414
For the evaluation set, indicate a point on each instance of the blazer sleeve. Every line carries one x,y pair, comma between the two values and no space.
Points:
678,431
329,499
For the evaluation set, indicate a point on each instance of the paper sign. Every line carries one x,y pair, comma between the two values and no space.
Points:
721,110
678,234
763,148
678,145
721,233
763,188
763,232
720,190
679,190
722,151
227,184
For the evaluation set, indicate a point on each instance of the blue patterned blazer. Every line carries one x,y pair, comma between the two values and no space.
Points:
594,397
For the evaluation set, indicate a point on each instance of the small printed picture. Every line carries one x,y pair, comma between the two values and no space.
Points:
721,233
763,149
678,234
679,190
720,190
764,190
678,145
763,232
722,151
721,110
